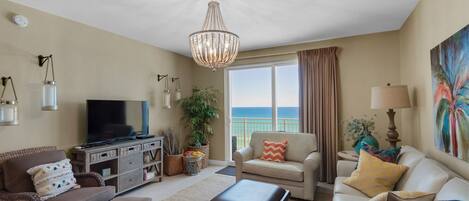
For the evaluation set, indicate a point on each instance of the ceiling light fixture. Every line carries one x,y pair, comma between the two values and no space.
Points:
214,47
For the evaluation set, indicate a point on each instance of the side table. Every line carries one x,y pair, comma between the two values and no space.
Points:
348,155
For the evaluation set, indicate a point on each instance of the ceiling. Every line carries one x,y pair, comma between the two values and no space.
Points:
259,23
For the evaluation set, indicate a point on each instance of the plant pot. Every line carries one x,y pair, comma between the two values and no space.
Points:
204,149
173,164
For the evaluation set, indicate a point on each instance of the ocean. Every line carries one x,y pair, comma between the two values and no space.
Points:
264,112
246,120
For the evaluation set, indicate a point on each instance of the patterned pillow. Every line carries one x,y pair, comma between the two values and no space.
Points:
52,179
387,155
274,151
404,196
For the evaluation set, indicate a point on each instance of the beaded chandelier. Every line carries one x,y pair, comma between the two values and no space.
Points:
214,47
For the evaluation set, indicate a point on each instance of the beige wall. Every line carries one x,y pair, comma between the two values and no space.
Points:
364,61
431,23
90,64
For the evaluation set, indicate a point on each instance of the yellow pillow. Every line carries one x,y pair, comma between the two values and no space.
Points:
374,176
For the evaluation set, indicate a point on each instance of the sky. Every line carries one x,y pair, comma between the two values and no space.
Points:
252,87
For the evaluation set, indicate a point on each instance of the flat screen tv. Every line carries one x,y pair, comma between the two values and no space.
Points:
116,120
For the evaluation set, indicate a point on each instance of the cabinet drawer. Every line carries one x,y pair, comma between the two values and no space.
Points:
130,180
125,151
151,145
102,156
131,162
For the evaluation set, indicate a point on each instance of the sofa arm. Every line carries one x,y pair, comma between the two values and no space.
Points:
25,196
345,168
89,179
240,156
311,174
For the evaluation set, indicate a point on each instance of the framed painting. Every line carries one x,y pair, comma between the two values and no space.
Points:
450,83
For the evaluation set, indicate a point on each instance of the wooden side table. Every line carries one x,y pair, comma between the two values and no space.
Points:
348,155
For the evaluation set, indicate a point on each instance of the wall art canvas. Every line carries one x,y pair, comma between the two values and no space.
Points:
450,80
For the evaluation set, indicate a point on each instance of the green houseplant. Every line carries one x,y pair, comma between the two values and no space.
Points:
360,130
199,111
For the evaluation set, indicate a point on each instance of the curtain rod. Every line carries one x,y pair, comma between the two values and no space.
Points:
277,54
268,55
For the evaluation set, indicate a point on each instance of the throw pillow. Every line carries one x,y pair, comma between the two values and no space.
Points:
389,155
52,179
404,196
410,196
274,151
374,176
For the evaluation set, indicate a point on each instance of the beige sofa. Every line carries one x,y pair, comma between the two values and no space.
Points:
299,174
424,175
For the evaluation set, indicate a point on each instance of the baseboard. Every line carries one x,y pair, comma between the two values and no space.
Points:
217,162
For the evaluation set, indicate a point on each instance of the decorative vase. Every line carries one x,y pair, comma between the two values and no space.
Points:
173,164
365,139
204,149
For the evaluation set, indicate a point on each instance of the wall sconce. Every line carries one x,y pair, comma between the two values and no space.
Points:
166,91
49,88
8,108
177,93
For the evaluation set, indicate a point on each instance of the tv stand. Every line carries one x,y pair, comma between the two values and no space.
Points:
145,136
129,164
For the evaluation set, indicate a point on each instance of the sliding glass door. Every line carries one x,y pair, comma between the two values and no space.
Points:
261,98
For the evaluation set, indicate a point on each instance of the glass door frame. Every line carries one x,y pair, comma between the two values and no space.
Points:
227,98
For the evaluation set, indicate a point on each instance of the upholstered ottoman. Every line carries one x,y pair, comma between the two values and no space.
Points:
253,190
130,199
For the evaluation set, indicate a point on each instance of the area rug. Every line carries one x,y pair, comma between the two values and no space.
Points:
213,185
205,189
230,171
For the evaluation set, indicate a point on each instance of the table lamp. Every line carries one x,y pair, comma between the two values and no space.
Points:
390,97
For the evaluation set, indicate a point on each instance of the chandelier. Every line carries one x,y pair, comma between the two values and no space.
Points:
214,47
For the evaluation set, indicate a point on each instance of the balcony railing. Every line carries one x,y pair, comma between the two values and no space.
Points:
243,127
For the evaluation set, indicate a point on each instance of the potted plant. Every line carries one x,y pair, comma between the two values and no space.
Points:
360,130
173,158
199,110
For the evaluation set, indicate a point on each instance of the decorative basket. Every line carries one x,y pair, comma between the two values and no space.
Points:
173,164
191,165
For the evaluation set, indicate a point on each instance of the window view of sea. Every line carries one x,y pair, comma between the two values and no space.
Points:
246,120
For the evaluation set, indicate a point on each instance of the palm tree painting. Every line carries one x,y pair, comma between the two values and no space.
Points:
450,82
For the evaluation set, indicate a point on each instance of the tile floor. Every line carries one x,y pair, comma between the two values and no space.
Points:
171,185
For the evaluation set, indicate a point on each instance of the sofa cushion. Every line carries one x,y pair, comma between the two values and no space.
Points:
17,179
341,188
426,177
374,176
288,170
87,194
300,145
274,151
344,197
409,157
52,179
455,189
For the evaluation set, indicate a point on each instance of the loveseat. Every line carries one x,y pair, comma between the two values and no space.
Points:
423,175
16,184
299,174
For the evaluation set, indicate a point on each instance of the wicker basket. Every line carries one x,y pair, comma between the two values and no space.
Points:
191,165
173,164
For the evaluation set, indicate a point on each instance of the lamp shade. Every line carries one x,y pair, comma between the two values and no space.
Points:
390,97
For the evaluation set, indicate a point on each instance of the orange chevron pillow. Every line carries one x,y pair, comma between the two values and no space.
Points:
274,151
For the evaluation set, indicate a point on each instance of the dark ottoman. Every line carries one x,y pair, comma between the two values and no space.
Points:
253,190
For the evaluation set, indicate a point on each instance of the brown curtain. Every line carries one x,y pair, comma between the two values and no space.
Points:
318,104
